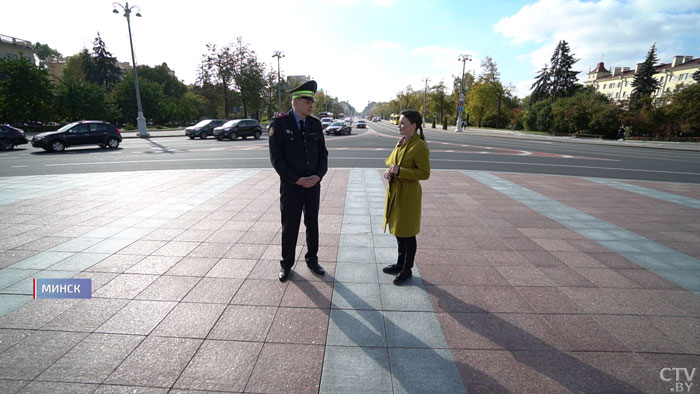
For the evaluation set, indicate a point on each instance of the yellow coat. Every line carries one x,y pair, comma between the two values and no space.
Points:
402,208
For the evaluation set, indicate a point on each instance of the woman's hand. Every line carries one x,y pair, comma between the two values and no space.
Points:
394,169
387,175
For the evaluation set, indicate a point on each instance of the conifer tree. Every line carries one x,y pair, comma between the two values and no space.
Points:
644,83
541,87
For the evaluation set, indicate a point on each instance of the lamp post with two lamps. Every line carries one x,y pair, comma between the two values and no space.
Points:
463,59
278,55
140,120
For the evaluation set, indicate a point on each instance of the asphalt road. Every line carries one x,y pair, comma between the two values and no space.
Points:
369,148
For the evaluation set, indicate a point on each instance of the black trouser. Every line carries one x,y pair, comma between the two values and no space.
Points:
294,200
407,252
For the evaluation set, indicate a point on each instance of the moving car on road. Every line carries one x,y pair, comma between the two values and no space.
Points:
338,128
325,122
84,132
361,124
238,128
204,128
11,137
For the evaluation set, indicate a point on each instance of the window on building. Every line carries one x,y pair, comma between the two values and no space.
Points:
617,95
682,77
671,78
625,83
619,84
604,85
624,94
661,80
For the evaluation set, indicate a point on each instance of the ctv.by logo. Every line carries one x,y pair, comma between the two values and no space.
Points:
680,378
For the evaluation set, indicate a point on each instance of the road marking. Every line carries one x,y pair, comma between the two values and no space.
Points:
19,166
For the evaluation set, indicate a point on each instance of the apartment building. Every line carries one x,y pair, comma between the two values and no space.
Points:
616,84
13,48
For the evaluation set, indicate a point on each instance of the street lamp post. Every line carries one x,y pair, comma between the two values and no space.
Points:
425,92
140,120
460,109
278,55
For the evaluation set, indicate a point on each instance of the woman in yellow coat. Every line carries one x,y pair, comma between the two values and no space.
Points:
408,163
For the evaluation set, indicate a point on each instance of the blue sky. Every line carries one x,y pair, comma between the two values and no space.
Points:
368,50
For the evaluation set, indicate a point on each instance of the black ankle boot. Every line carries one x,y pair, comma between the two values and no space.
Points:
402,277
392,269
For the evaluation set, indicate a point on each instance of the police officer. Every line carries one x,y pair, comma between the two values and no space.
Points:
299,155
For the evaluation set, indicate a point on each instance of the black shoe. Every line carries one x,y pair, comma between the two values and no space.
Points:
392,269
285,274
402,277
316,268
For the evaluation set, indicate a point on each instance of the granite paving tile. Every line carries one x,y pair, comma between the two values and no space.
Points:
356,370
12,386
287,368
438,371
214,290
9,337
549,300
232,268
36,352
267,292
190,320
117,263
93,359
125,286
299,325
169,288
619,373
308,294
447,298
356,328
220,365
413,329
35,313
684,330
244,323
409,297
639,334
501,299
246,251
566,277
87,315
138,317
524,276
173,355
143,247
606,277
36,387
356,296
356,272
153,265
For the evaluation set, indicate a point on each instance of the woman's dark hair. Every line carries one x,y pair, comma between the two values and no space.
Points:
415,118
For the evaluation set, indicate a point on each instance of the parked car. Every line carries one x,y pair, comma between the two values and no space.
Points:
11,137
204,128
348,121
361,124
325,122
338,128
84,132
238,128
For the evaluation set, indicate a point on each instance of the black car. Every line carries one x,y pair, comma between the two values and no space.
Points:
84,132
238,128
11,137
338,128
204,128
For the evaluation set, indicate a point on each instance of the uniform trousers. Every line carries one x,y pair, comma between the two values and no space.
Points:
294,200
407,252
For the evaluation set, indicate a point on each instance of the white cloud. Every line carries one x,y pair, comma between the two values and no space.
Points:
618,32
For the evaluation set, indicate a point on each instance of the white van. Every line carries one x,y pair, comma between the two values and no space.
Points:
325,122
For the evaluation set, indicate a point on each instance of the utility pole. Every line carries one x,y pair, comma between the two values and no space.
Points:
425,93
278,55
460,109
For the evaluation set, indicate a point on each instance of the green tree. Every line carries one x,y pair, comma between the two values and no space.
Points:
103,69
563,78
152,99
44,51
76,100
542,87
217,69
165,77
481,102
75,66
438,101
25,91
249,78
682,115
644,83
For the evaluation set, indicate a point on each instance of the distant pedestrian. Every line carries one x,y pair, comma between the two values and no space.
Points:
298,153
621,133
408,163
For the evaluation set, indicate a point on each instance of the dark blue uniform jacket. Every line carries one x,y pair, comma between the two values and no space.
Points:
294,155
